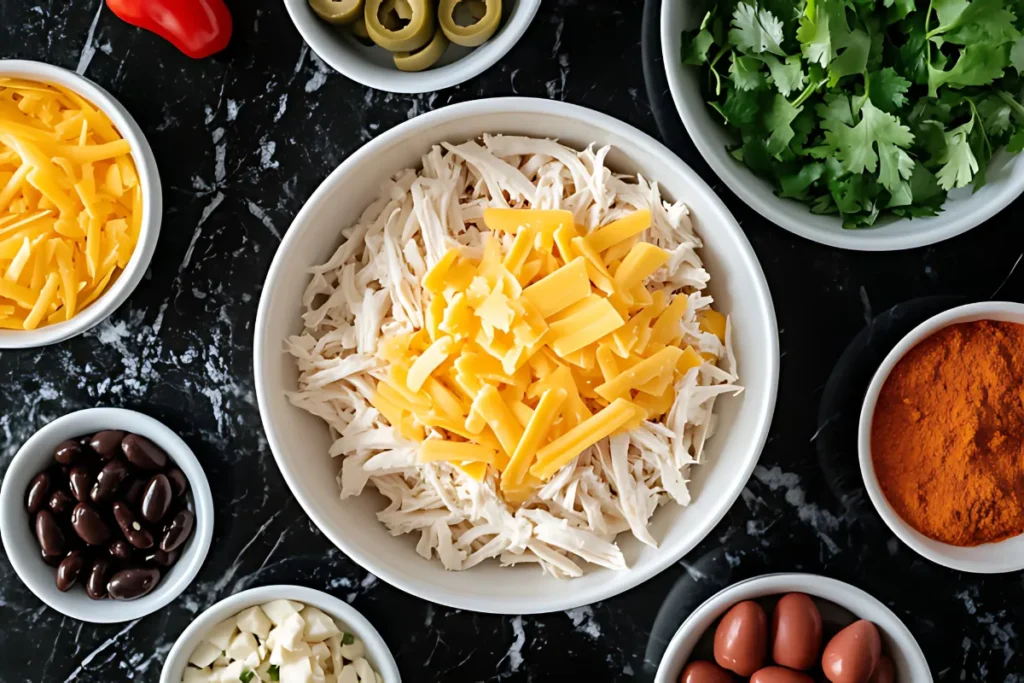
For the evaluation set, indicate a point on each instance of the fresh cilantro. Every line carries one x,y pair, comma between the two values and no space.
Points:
745,73
246,675
696,45
347,639
787,76
1017,55
979,64
1016,143
888,90
959,163
275,672
981,21
756,30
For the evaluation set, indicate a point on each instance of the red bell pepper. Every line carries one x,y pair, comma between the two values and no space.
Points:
199,28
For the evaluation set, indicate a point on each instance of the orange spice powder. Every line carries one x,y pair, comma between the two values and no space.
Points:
947,438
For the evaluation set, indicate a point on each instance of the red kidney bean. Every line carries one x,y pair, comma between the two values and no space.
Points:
156,499
163,559
143,453
129,584
49,535
133,491
52,560
37,491
137,535
108,480
68,452
107,442
69,569
179,482
96,582
177,531
80,480
60,502
121,550
89,526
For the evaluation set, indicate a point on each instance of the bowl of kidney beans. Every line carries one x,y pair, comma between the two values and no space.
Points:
106,515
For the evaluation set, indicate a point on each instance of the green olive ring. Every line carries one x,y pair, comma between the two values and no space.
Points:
425,57
414,35
337,11
475,34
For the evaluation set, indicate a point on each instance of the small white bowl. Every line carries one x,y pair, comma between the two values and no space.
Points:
300,441
23,549
373,66
897,641
988,558
377,650
152,206
961,212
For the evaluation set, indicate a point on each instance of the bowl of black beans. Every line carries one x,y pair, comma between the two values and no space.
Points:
106,515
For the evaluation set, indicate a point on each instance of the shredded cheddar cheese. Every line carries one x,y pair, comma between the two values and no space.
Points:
70,204
527,358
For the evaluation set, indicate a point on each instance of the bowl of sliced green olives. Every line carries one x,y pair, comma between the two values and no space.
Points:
411,46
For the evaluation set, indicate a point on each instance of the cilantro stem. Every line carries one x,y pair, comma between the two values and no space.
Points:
1014,105
808,91
977,118
927,33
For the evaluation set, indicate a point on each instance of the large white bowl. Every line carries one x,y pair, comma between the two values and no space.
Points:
373,66
377,652
300,441
897,641
152,206
988,558
961,212
20,542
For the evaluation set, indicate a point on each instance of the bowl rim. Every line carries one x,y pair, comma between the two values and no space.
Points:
975,559
383,660
641,143
794,216
392,80
833,590
152,205
25,560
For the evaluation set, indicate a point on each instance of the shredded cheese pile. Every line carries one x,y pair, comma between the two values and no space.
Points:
521,385
70,203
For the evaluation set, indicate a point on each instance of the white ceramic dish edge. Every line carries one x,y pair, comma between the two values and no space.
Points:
23,550
379,654
152,206
897,640
961,212
429,581
989,558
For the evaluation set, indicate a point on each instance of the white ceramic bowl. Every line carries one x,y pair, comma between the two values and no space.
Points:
152,206
377,650
988,558
373,66
300,441
961,212
897,641
20,542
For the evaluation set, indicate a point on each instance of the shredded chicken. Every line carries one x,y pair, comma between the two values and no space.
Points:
370,289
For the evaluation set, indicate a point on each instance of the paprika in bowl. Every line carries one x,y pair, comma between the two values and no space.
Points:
941,438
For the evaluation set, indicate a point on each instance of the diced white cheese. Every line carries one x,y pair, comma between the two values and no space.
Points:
282,654
279,610
353,650
253,660
231,672
319,626
297,671
365,671
223,660
204,655
242,645
193,675
337,661
254,620
348,675
322,653
289,633
221,634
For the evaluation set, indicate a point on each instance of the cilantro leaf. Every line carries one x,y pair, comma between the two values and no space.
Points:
960,165
1017,56
981,21
1016,143
899,9
787,76
741,107
778,119
853,59
696,45
996,115
835,110
888,90
814,35
855,146
756,30
979,64
795,185
745,73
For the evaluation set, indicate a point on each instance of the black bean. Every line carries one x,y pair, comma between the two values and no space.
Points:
163,559
37,491
129,584
80,480
179,482
70,569
121,550
48,533
177,531
96,583
61,502
89,526
133,491
108,480
107,442
143,453
156,499
68,452
137,535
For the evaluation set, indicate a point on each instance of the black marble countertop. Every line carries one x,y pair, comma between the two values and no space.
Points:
242,140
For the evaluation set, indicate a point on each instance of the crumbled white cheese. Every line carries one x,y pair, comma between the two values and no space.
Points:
204,655
279,610
255,621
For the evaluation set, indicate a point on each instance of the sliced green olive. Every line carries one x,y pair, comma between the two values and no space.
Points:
400,25
425,57
337,11
358,30
476,33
